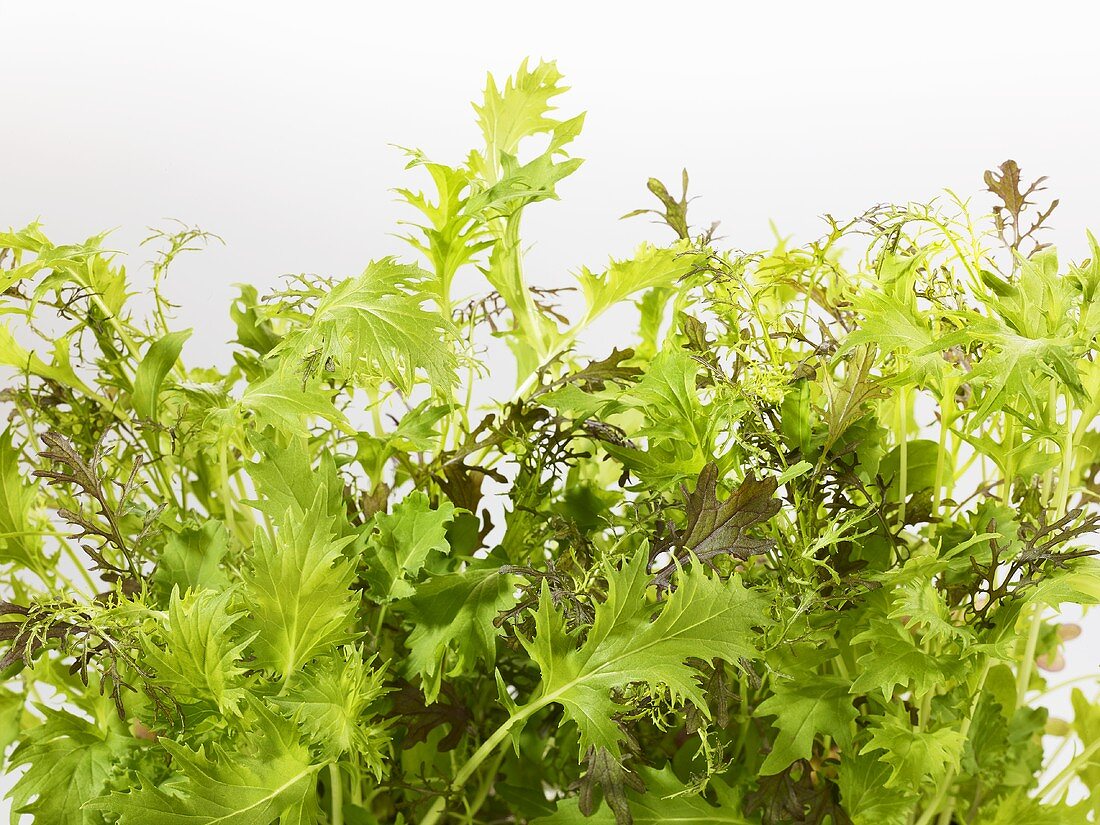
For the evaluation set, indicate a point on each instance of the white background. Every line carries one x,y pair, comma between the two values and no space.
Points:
269,123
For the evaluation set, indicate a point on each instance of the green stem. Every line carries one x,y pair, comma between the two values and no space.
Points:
336,788
903,450
1067,773
481,754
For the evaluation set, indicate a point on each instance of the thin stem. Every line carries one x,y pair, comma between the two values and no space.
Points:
336,788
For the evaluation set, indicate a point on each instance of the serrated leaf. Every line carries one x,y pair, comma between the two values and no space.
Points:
861,780
331,702
624,646
376,327
68,760
452,617
222,787
297,592
401,543
803,707
914,756
196,653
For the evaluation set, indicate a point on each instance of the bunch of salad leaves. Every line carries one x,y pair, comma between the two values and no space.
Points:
792,551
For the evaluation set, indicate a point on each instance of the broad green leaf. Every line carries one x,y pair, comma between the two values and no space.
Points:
893,660
401,543
375,327
803,707
452,619
286,479
624,645
191,559
297,592
68,761
153,369
283,402
861,780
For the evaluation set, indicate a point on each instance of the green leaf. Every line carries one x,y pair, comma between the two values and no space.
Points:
624,646
650,267
218,786
282,402
18,500
861,780
153,369
375,326
196,654
331,703
452,619
914,756
803,707
191,559
921,456
68,761
287,480
297,592
402,542
893,660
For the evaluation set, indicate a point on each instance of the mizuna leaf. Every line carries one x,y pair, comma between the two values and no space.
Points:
191,559
624,646
893,660
861,780
914,756
297,592
331,703
847,397
650,267
452,619
217,786
375,326
804,707
281,401
69,760
196,654
402,543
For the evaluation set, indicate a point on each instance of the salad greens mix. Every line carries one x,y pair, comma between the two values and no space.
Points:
792,551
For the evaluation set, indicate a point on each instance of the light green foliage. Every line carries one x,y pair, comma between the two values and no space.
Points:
452,624
296,592
788,550
624,646
195,654
68,761
374,327
402,544
805,707
272,776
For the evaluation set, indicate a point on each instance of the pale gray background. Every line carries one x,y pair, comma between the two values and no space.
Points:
268,123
